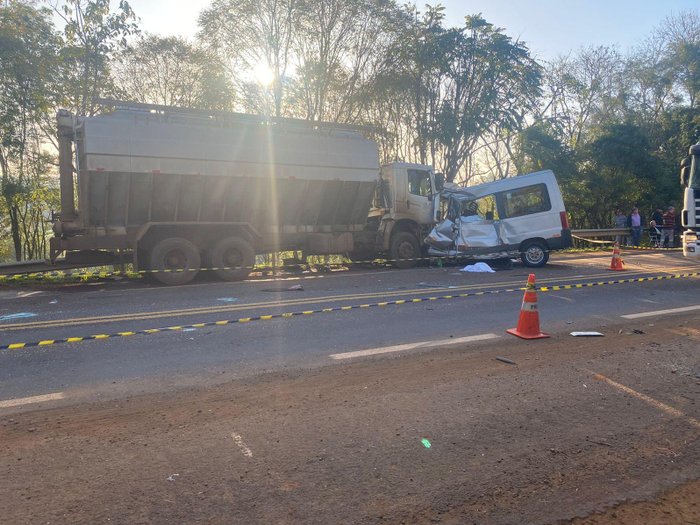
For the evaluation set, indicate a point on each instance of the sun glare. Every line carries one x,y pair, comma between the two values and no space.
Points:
263,74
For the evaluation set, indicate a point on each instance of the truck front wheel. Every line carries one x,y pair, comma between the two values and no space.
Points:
233,258
404,250
175,261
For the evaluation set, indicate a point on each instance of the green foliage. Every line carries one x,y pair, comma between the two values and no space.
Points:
28,73
92,34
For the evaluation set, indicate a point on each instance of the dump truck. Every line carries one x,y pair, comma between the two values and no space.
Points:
690,216
175,190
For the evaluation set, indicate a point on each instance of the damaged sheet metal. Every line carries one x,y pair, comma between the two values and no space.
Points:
466,229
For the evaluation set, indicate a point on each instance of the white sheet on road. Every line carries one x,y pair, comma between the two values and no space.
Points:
480,267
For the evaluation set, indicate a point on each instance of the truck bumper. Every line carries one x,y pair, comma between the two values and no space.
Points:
691,244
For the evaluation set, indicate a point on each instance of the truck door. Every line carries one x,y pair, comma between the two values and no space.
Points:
419,197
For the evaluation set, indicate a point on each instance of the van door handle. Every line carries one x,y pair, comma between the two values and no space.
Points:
408,204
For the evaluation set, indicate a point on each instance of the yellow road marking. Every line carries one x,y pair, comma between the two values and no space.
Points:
269,304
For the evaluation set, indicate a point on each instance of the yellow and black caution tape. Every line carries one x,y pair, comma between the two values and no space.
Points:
650,248
287,315
592,241
136,274
623,246
60,276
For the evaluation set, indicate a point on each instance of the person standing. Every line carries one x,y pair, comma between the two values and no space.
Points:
621,222
635,222
669,227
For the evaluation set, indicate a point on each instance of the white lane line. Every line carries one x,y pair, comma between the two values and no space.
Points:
662,312
649,400
412,346
29,400
238,440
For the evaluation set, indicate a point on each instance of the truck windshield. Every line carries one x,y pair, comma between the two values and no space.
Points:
694,181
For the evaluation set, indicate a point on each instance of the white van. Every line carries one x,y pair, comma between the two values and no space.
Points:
518,216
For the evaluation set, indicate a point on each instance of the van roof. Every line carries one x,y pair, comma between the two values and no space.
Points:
509,183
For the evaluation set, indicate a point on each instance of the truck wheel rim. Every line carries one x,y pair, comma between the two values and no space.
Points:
405,250
175,260
232,258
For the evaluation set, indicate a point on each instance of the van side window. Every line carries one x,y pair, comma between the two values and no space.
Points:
487,208
419,182
527,200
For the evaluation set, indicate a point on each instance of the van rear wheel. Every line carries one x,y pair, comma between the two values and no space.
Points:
534,254
175,261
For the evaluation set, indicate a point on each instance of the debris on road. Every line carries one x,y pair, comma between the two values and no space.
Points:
505,360
172,477
20,315
293,288
426,443
587,334
227,299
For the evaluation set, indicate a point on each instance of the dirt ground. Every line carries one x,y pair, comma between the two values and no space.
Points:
679,506
450,436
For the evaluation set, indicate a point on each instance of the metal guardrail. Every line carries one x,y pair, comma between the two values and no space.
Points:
604,232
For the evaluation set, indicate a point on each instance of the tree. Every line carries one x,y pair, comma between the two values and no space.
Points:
253,36
461,83
680,36
339,47
92,34
584,90
171,71
28,72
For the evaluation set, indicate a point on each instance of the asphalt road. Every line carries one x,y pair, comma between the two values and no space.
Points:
188,355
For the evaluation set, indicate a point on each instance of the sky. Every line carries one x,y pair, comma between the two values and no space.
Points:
549,27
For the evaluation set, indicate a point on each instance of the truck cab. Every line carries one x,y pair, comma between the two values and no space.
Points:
690,217
403,212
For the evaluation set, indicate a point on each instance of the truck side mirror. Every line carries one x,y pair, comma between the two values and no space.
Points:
685,176
685,171
439,181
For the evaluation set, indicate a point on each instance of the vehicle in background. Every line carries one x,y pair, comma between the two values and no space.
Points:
690,216
519,216
175,190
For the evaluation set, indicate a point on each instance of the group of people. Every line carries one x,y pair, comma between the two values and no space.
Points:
662,227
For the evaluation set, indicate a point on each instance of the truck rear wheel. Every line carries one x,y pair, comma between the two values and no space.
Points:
404,250
233,257
175,261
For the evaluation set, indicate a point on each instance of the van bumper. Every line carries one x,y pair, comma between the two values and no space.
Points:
561,243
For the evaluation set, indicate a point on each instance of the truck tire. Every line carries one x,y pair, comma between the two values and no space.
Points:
235,253
534,254
404,250
175,261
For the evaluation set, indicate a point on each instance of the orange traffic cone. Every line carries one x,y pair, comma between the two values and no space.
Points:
529,320
617,263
